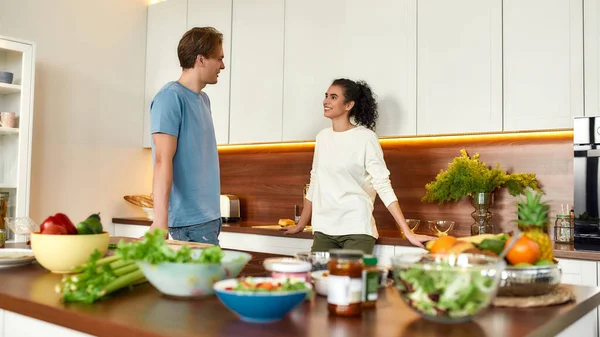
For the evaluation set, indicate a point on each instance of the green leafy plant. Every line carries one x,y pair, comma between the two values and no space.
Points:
467,176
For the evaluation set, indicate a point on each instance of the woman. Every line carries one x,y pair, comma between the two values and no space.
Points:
348,171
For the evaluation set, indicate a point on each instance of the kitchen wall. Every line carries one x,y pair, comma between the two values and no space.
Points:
269,179
88,103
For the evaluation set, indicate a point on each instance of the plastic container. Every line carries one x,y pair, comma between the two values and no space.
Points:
370,279
345,284
285,267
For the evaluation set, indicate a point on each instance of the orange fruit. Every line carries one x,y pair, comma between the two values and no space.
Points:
525,250
442,244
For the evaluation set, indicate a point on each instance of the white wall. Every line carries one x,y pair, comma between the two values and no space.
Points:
88,103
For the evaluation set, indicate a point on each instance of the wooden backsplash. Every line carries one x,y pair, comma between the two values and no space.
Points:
269,179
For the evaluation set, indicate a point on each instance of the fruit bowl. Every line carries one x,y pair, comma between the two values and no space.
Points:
61,253
448,288
529,281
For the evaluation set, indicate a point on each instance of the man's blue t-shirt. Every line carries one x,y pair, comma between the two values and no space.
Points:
180,112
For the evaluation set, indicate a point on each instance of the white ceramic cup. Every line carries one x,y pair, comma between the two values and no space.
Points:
8,119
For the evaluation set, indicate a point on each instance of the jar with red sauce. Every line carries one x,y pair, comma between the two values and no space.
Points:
345,284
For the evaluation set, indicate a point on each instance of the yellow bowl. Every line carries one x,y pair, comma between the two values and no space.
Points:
61,253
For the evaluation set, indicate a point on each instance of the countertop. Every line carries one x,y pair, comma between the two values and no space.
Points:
144,312
386,237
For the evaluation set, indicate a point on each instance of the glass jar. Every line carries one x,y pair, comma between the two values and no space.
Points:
345,284
370,277
3,209
286,267
563,229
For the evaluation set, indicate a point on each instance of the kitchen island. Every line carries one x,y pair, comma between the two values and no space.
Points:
27,297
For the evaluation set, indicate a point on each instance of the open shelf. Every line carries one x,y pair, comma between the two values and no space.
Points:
8,131
7,185
9,88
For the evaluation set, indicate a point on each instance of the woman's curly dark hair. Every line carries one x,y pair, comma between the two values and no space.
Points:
364,110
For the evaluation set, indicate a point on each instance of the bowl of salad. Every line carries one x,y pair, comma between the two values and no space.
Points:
262,299
183,272
448,288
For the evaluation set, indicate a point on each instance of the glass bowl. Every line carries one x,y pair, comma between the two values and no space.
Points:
448,288
413,224
529,281
319,260
440,227
22,225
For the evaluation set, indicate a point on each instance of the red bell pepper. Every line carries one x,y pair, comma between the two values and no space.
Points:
58,219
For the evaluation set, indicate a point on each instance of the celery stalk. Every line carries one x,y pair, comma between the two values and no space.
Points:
126,270
121,282
99,262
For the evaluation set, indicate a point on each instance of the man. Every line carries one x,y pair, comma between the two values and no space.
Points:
186,184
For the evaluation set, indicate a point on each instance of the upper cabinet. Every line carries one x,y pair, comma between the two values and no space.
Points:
436,67
591,33
217,14
166,25
257,65
543,63
459,66
325,40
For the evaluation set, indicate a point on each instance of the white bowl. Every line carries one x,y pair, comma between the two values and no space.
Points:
149,212
320,278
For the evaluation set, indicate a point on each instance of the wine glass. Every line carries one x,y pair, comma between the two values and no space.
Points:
413,224
22,226
440,227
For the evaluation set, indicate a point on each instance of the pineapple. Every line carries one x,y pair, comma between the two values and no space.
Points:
533,222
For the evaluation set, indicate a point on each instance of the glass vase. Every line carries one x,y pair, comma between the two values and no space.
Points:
482,215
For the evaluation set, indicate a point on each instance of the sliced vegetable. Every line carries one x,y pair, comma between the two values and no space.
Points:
248,285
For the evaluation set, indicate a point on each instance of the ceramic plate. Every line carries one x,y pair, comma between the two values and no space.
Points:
15,256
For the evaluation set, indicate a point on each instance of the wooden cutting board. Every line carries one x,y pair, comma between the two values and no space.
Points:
175,244
279,228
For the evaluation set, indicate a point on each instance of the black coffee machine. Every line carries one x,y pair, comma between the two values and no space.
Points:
586,146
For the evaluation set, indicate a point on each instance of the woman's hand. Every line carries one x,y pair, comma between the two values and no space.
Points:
294,230
417,239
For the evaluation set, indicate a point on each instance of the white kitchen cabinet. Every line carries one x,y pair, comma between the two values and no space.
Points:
17,56
217,14
398,250
384,254
131,231
264,243
16,325
580,272
543,63
166,26
591,35
257,71
325,40
459,62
